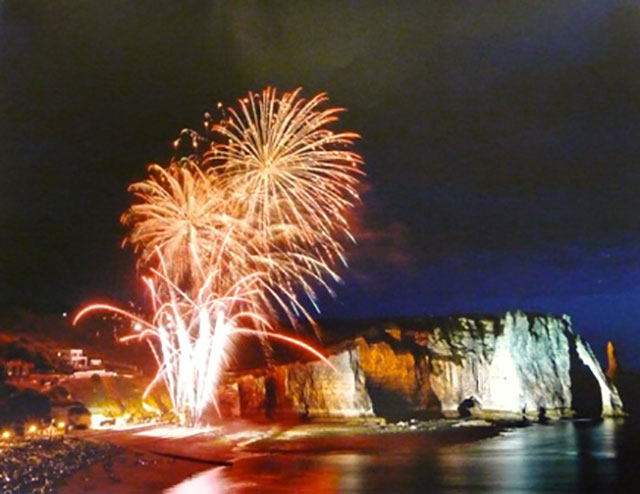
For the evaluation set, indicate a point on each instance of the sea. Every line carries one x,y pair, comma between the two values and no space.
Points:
600,456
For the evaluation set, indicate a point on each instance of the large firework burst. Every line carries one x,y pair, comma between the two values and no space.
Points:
255,216
286,168
177,212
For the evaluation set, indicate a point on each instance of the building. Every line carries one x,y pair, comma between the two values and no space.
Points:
95,362
73,357
17,368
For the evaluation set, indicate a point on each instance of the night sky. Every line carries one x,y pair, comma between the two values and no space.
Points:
501,142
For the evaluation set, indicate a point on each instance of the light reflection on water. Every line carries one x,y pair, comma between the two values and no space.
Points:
565,457
209,481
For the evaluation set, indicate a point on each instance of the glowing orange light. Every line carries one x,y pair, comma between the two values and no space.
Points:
243,231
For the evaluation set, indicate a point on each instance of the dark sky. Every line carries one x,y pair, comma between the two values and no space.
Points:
501,141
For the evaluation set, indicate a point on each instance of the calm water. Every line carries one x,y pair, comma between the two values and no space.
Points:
565,457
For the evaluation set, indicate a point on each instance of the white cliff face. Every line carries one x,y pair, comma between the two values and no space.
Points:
611,402
503,387
519,366
539,351
461,365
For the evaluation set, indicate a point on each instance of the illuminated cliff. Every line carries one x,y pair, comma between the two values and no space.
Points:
520,365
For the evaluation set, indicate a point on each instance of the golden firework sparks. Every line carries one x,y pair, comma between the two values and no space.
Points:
254,217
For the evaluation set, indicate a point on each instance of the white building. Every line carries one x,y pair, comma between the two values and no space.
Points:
73,357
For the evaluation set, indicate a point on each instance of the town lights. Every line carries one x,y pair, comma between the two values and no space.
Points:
123,419
96,420
32,429
6,434
61,425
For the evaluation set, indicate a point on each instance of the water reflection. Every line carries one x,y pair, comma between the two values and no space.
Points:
565,457
209,482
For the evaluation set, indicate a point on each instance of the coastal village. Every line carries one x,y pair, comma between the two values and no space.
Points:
23,372
44,387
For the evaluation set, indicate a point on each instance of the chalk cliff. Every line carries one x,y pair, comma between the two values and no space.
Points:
520,365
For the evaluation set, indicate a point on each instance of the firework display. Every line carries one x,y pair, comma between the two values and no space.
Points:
242,231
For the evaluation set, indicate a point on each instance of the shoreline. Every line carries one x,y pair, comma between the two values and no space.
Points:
145,468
